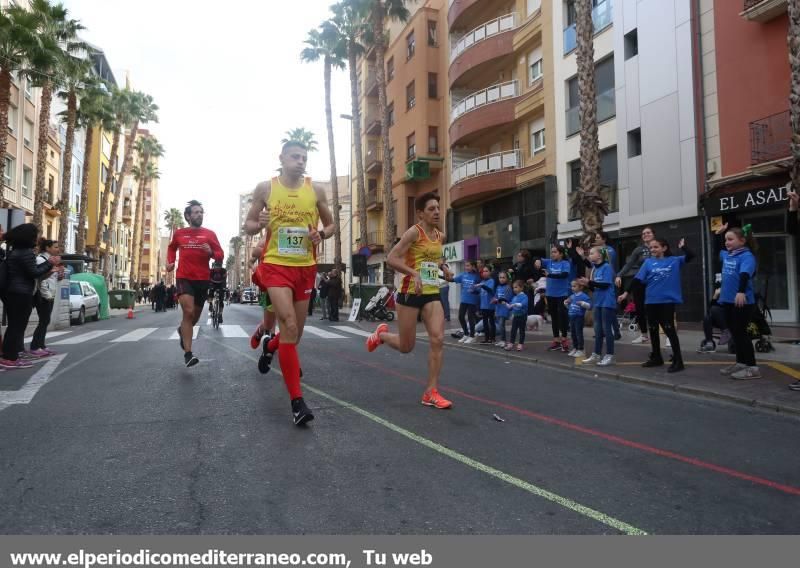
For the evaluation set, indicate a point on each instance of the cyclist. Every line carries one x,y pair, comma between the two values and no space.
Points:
218,280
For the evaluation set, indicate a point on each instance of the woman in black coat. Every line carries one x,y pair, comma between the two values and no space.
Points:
22,272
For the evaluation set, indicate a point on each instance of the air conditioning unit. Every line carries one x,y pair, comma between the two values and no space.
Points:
418,170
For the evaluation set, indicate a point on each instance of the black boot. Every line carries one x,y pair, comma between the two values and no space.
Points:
677,365
653,361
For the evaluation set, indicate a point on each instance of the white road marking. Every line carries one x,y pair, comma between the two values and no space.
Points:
50,335
353,330
135,335
322,333
195,331
75,339
233,331
25,394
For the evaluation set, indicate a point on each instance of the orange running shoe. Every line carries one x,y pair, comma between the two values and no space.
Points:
375,339
255,339
433,398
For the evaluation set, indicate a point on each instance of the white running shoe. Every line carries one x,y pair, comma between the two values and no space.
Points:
579,354
500,344
593,359
463,339
469,340
607,360
746,374
641,339
572,353
732,369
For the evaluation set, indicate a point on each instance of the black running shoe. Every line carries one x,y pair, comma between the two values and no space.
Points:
300,412
675,367
265,360
652,362
190,359
180,337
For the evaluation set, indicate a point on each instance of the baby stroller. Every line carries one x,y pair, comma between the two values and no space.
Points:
377,306
758,329
628,321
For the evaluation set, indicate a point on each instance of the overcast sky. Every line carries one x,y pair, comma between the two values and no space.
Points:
229,82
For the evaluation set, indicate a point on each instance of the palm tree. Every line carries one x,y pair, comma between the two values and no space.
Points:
326,44
589,201
95,112
236,243
144,174
18,35
794,87
305,137
77,81
140,108
380,11
349,22
173,220
57,42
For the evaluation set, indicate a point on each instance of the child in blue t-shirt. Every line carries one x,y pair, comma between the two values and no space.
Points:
470,300
605,306
502,296
577,304
660,275
486,287
519,315
558,270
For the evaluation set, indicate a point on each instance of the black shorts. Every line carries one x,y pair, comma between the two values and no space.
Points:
216,288
414,301
196,288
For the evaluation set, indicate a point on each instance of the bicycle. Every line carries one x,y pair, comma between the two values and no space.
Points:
215,312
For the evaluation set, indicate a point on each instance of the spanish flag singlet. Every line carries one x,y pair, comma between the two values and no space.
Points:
424,256
291,212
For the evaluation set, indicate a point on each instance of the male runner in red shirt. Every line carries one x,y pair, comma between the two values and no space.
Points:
197,246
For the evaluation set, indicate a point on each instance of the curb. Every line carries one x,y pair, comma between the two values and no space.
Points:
682,389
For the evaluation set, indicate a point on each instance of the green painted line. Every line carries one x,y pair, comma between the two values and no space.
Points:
461,458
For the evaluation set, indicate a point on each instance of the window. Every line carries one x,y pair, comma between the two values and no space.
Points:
432,41
390,111
536,129
103,173
433,91
411,99
78,176
533,5
51,188
390,69
608,180
631,44
635,143
28,89
391,158
27,134
535,66
411,45
372,184
604,87
13,120
433,139
10,172
27,181
411,146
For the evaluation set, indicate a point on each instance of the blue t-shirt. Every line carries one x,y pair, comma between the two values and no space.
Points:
612,256
487,295
733,264
468,281
557,287
522,300
606,298
503,291
574,308
662,279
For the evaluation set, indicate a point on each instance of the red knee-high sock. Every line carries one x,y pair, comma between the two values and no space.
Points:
290,367
273,343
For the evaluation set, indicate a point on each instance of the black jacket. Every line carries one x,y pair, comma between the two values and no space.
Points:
23,272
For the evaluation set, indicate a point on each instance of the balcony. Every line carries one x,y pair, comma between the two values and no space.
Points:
375,241
770,138
374,160
606,109
372,120
485,108
456,8
763,10
488,41
127,214
371,86
374,200
485,175
602,17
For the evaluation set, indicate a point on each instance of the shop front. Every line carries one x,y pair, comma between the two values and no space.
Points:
761,203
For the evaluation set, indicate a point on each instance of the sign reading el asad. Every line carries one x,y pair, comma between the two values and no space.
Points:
746,200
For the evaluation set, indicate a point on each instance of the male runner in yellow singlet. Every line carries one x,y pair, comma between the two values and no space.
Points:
417,256
290,207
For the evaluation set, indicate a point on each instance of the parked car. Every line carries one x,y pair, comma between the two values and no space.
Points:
84,302
250,296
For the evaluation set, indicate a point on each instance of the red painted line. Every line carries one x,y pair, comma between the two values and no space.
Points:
596,433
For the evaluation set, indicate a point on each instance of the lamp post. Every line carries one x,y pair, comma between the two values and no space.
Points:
350,182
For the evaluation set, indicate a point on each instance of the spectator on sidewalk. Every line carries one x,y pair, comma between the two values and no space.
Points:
21,275
334,294
311,301
323,295
43,300
470,300
601,239
486,287
444,288
604,301
519,313
715,318
577,304
503,296
628,272
557,269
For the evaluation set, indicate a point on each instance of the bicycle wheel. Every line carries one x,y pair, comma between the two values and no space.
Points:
215,317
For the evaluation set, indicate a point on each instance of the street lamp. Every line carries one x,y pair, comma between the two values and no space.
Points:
350,181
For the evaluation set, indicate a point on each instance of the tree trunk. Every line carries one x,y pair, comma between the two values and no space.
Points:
104,204
390,225
80,242
358,147
337,233
5,98
130,140
41,155
138,230
66,175
590,200
794,86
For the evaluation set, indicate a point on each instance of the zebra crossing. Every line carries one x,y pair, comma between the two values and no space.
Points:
225,331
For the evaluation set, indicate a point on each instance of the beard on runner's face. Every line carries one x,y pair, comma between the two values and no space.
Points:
196,218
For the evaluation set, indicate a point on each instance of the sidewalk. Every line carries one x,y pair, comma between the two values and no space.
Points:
701,377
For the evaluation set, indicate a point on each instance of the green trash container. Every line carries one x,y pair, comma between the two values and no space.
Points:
122,299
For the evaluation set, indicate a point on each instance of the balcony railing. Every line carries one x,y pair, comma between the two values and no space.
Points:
488,164
602,17
375,238
372,120
484,97
374,159
606,108
483,32
770,138
374,199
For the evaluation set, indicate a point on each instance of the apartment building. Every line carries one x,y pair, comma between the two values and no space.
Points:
150,269
326,252
746,82
52,175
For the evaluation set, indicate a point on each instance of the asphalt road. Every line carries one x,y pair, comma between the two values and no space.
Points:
118,437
